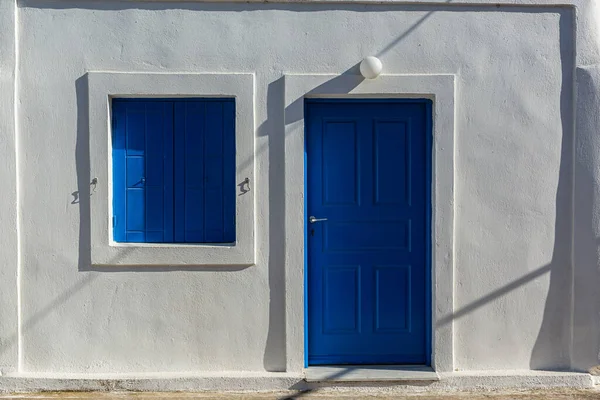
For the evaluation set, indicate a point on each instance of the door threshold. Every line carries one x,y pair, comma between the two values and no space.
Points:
369,373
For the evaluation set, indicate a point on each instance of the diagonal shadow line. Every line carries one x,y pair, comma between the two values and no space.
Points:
46,311
299,394
62,298
407,32
353,70
306,390
494,295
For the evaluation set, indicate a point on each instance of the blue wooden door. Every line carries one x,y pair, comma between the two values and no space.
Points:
367,189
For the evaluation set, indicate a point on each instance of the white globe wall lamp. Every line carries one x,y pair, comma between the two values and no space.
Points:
371,67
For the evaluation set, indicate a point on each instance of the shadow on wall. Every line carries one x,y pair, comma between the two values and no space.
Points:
85,189
276,118
341,85
552,347
82,198
274,359
275,344
551,350
586,276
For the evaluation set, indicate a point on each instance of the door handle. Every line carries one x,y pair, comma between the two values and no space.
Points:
312,219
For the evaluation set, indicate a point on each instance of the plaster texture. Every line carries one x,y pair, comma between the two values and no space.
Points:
9,259
526,179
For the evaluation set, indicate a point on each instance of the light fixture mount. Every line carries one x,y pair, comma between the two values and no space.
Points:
370,67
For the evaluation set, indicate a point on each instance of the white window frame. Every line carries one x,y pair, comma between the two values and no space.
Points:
102,87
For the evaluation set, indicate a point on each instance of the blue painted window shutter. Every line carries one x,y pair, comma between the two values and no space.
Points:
174,170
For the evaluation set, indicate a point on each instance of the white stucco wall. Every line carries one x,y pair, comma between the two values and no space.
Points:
9,335
514,303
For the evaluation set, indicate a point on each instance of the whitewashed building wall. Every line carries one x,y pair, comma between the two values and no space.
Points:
518,194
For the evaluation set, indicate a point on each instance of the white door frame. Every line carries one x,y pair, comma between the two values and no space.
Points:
439,88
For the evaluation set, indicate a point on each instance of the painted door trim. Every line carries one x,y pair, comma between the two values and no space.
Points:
440,89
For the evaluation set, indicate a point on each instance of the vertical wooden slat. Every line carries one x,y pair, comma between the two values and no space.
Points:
119,171
229,170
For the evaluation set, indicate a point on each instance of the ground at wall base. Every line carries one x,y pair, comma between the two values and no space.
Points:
262,385
550,394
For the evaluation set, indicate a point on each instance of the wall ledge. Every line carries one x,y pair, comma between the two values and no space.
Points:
284,381
447,3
